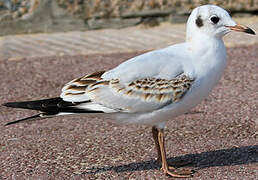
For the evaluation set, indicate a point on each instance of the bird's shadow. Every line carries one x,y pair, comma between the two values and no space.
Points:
223,157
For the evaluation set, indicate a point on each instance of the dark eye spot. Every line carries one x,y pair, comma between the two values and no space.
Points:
215,19
199,21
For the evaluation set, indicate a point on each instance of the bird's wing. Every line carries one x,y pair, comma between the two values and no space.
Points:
165,64
141,84
141,95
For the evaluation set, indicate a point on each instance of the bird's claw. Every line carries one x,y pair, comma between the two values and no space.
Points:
178,173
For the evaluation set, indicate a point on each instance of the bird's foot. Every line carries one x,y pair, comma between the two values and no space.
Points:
178,173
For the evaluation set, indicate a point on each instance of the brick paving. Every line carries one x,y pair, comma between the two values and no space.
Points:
108,40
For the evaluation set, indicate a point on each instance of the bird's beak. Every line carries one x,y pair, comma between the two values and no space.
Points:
241,28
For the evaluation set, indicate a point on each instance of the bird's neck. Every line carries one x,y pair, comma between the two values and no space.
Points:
207,52
200,43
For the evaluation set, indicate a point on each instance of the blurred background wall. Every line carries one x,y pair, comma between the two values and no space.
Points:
30,16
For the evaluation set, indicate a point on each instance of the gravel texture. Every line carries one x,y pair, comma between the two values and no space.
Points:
219,137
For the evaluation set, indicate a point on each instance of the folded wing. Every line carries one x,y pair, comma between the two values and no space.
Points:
141,95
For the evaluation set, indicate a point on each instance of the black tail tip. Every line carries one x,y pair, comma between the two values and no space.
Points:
12,122
24,119
11,104
7,104
9,123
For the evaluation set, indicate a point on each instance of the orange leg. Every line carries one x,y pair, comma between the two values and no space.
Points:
156,140
158,136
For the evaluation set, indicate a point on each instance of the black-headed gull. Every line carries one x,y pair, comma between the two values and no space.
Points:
154,87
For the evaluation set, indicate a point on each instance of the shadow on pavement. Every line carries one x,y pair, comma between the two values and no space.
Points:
223,157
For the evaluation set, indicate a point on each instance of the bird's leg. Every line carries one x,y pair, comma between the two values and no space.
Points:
155,132
169,170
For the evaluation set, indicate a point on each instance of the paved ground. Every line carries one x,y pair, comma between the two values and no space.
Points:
108,41
220,139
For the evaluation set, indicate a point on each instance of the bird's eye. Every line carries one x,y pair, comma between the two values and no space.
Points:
215,19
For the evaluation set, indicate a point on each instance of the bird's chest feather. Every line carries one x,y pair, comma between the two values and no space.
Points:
209,70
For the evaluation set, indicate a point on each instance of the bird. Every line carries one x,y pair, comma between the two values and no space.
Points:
154,87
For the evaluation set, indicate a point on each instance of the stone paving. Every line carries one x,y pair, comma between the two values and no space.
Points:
220,139
108,40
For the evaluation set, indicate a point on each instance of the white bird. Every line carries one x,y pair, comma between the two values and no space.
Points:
154,87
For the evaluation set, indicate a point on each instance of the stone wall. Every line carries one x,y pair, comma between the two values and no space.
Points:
137,8
119,13
24,16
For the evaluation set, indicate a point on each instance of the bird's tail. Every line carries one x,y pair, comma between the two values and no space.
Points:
49,108
45,105
31,118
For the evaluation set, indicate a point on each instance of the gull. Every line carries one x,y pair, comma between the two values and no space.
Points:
154,87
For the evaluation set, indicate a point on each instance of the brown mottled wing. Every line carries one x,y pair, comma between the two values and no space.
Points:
75,90
138,96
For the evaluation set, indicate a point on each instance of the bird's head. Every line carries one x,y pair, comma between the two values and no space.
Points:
212,21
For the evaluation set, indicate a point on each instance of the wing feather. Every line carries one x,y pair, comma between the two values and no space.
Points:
75,90
141,95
